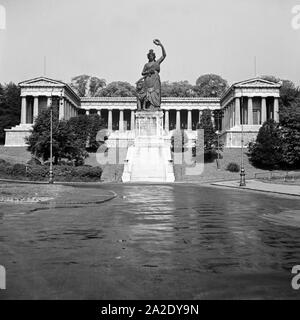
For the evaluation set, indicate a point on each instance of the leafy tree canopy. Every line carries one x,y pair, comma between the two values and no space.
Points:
10,107
266,151
65,143
210,85
210,136
177,89
117,89
86,128
87,86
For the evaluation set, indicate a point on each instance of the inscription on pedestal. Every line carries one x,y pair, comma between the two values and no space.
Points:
149,123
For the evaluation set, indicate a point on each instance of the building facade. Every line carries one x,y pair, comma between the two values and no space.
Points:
245,105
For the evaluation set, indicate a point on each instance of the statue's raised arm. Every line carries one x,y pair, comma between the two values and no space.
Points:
162,58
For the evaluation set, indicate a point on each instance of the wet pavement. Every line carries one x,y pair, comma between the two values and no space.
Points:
175,241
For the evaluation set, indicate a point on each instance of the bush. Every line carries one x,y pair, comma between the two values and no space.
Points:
41,172
266,151
233,167
80,173
18,170
34,161
37,172
5,168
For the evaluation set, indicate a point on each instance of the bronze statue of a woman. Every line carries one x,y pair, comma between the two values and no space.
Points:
149,87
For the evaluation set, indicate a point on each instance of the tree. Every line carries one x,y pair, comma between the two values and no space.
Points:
117,89
266,151
210,136
96,124
210,85
65,144
10,107
86,128
80,127
87,86
290,138
177,89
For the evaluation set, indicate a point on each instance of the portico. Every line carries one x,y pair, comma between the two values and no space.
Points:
249,104
37,95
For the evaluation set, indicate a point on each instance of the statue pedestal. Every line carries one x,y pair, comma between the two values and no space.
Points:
149,158
149,123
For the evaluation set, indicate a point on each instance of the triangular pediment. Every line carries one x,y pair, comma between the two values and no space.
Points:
256,83
42,82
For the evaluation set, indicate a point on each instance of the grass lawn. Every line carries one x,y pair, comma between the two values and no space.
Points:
14,154
211,173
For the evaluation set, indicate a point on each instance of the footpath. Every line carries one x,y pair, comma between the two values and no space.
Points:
293,190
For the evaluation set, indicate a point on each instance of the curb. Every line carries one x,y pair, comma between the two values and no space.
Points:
55,182
257,190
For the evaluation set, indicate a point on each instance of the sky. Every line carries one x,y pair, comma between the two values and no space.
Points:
110,39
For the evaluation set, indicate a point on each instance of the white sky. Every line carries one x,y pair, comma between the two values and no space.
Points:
110,39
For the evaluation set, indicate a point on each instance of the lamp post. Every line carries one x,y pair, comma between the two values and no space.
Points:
51,142
242,173
218,159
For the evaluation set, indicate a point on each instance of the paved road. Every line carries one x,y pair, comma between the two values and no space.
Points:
151,242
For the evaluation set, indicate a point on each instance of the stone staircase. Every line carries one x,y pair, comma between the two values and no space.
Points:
149,160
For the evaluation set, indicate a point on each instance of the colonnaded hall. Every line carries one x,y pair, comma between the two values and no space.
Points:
260,102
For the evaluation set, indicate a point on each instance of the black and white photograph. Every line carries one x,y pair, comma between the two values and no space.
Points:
149,151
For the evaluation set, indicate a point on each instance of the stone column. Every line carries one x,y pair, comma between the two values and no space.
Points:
225,118
35,108
65,109
109,120
237,111
49,101
132,120
200,114
232,115
212,118
121,121
189,120
177,119
23,110
61,109
263,110
276,110
167,126
250,110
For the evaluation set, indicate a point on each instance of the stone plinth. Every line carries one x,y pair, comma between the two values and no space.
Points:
149,123
149,158
15,137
